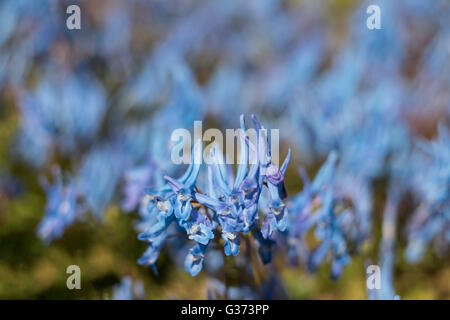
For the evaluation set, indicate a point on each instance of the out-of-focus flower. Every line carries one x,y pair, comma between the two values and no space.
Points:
129,289
319,207
61,209
98,177
232,208
431,220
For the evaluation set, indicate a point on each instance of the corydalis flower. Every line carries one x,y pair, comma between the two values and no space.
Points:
199,228
316,207
169,203
129,289
387,248
61,208
277,218
431,220
194,259
98,177
136,180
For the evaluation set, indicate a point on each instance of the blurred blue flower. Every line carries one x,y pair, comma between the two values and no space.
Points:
129,289
431,220
61,209
98,177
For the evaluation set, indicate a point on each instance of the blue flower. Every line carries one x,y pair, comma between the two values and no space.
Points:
431,220
151,255
61,208
98,177
277,217
184,190
194,259
231,242
315,208
129,289
218,290
199,228
136,180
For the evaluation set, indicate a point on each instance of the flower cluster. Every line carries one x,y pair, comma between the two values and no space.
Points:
431,220
320,207
129,289
228,208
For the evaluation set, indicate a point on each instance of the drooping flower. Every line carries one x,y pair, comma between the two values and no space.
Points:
129,289
194,259
61,209
98,177
316,208
431,220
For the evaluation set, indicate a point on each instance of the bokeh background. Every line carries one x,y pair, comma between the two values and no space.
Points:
102,100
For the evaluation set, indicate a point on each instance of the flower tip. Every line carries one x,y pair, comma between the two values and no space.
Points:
333,156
